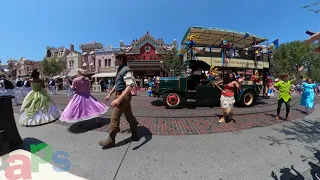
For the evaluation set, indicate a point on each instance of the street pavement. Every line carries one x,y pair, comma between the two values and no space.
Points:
268,152
157,120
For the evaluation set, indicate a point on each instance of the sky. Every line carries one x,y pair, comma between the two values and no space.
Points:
28,27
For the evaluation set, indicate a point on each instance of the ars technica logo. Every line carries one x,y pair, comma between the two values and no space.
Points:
59,159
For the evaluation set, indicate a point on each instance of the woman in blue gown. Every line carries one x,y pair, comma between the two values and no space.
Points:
307,97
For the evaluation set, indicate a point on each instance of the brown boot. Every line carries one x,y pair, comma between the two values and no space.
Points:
277,118
111,141
135,133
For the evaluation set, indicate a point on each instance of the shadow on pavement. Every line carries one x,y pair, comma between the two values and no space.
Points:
85,126
144,132
157,102
286,174
305,131
27,142
292,174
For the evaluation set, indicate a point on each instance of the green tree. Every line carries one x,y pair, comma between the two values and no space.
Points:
51,67
295,54
172,60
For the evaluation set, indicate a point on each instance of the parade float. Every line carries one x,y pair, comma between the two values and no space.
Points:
209,55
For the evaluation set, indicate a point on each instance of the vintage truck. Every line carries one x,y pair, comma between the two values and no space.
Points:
193,89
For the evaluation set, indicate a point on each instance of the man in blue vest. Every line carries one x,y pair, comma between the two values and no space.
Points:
124,83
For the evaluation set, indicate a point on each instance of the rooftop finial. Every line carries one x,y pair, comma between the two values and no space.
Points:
147,32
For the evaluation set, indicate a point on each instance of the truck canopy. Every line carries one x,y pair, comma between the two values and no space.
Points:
209,36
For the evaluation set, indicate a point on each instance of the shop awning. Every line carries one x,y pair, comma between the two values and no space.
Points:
109,74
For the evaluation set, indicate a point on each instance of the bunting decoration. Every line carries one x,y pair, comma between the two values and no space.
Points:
168,48
126,49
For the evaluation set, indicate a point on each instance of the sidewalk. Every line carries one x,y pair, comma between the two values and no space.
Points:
243,155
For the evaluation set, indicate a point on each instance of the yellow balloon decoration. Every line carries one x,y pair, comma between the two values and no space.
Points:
214,71
182,51
194,38
256,73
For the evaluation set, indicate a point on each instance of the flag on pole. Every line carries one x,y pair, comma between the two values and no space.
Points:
274,45
246,36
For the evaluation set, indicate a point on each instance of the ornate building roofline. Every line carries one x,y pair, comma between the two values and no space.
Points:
160,41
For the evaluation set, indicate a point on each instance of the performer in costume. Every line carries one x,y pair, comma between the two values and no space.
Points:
52,86
307,98
283,87
27,87
122,104
227,96
9,88
38,108
83,106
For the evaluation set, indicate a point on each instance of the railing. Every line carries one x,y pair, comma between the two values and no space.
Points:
239,54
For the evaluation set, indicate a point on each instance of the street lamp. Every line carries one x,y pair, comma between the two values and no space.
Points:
161,65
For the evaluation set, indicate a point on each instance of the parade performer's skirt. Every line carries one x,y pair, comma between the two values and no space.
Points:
307,99
82,107
227,101
38,108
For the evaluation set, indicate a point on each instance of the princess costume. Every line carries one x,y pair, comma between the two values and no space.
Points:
83,106
38,108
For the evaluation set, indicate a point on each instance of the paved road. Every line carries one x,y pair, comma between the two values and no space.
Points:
158,120
255,153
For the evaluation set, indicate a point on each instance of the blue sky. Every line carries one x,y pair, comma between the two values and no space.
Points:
27,27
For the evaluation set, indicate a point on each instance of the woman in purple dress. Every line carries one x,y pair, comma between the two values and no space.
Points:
83,106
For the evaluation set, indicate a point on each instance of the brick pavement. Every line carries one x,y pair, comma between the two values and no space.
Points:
157,120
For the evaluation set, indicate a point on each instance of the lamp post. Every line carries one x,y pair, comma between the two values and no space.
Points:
161,65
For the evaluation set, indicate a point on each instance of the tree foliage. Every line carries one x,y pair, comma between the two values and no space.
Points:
51,67
295,54
172,60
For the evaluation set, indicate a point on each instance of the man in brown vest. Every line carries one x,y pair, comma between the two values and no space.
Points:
122,104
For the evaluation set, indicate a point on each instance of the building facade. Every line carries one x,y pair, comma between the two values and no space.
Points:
60,53
146,55
23,67
105,62
74,61
12,67
88,56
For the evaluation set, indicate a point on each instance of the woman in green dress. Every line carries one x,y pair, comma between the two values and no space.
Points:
38,108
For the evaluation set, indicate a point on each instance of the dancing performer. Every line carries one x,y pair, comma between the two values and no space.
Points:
38,108
122,104
227,97
283,88
27,86
9,88
83,106
307,98
67,87
52,86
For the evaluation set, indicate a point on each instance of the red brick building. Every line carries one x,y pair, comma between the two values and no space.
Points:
146,55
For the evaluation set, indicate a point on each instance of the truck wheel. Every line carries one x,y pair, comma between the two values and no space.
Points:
172,100
247,99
